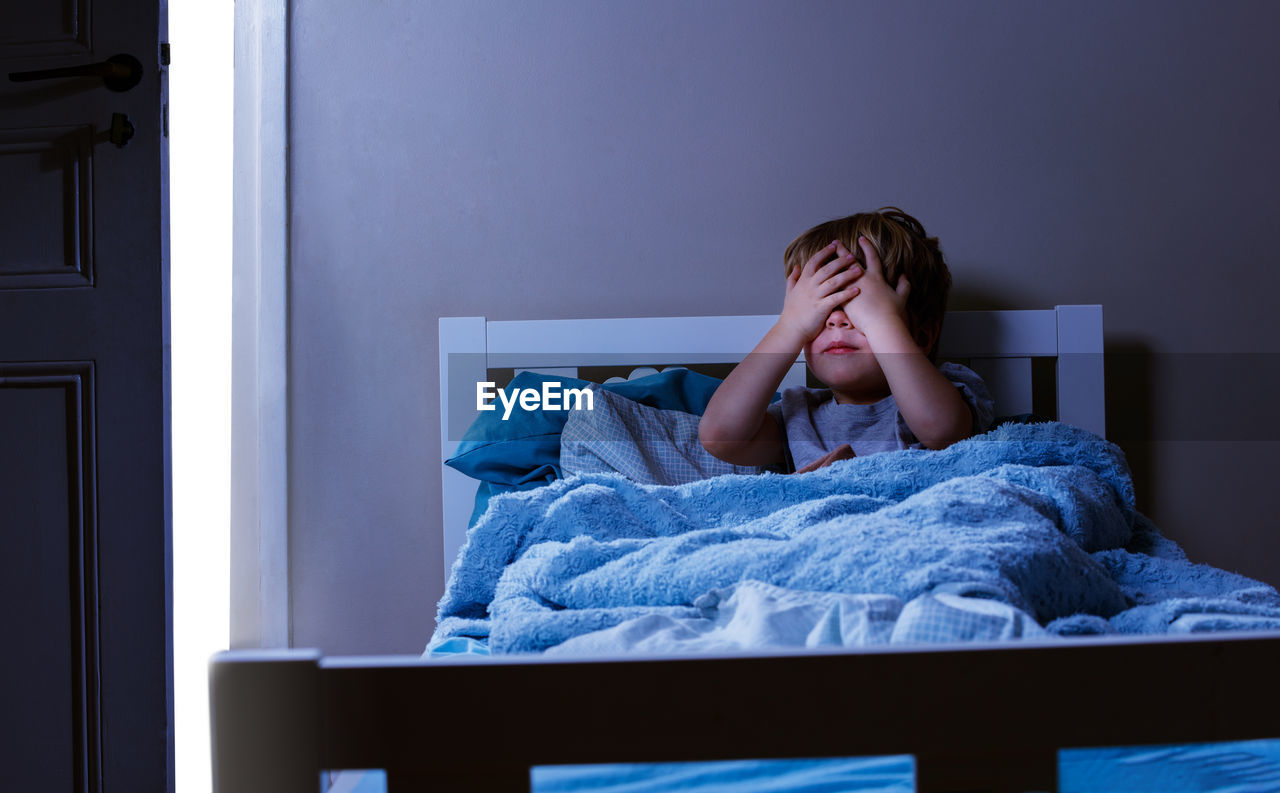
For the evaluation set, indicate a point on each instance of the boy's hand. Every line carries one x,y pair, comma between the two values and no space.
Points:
875,300
817,289
842,452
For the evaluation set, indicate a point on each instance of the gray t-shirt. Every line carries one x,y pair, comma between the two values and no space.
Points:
813,423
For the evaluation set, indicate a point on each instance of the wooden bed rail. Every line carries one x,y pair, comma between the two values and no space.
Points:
982,717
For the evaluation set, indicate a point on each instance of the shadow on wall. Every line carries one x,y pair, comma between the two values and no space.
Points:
1129,382
1128,366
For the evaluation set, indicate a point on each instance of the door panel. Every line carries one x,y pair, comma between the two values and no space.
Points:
49,27
46,574
84,430
55,206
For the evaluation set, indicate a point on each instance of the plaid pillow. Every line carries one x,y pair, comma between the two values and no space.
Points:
644,444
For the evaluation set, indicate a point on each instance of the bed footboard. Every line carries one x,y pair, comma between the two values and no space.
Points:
266,721
975,718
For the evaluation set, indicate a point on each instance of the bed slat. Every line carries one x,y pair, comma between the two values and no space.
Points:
1081,380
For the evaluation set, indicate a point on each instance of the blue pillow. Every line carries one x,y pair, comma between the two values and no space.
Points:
526,447
674,389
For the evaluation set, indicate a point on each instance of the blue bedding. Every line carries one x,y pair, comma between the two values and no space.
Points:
1029,530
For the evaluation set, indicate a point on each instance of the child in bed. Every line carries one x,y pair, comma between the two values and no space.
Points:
865,297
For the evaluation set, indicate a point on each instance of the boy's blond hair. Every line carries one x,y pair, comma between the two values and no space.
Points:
904,248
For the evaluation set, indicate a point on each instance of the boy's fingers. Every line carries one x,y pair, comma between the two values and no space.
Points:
847,254
836,299
843,278
843,452
834,267
869,254
819,257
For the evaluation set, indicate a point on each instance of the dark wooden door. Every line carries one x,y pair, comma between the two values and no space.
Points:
84,427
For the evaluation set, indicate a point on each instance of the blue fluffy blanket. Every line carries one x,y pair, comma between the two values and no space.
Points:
1028,530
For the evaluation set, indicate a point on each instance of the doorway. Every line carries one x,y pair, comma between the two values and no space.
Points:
200,125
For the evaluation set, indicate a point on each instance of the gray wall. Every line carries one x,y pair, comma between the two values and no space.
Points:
587,158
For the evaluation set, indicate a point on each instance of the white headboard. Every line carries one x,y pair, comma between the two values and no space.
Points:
999,345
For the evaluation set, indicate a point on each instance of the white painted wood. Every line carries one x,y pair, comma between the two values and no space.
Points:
462,365
581,342
558,371
1081,374
260,414
999,343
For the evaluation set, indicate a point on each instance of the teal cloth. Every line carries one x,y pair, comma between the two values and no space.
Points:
525,449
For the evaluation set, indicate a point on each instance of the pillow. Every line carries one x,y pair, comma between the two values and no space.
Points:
526,446
523,448
644,444
673,389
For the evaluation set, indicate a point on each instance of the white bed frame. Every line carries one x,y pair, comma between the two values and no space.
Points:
976,717
999,345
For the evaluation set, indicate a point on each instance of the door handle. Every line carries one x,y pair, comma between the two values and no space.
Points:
119,72
121,130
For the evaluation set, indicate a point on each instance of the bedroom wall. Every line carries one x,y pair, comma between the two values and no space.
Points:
578,158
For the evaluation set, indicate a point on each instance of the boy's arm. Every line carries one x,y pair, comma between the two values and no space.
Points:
930,404
736,426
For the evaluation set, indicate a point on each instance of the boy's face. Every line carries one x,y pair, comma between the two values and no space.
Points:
840,357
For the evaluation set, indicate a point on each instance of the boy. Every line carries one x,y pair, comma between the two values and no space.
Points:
866,309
